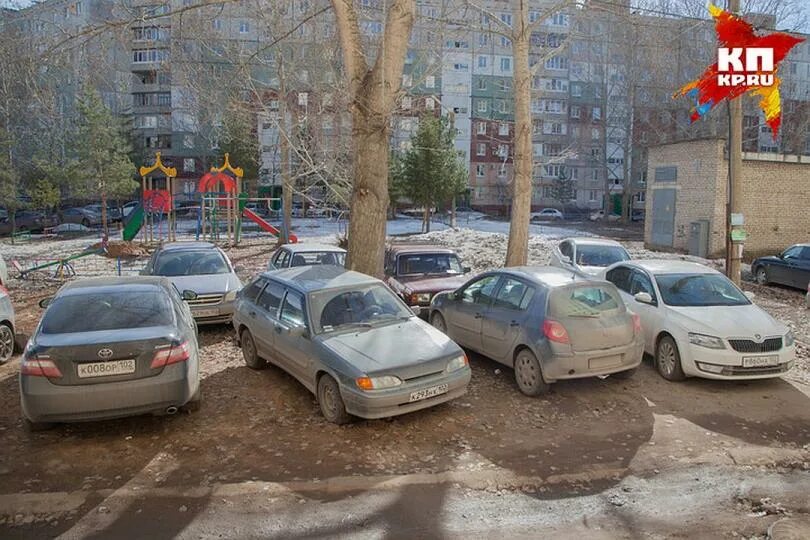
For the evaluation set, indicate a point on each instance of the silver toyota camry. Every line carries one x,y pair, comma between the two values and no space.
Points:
348,339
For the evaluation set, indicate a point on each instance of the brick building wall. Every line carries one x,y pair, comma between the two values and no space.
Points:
775,196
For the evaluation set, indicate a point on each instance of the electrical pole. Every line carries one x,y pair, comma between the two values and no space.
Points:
734,232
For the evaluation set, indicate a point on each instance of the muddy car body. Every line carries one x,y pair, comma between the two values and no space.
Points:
348,339
417,273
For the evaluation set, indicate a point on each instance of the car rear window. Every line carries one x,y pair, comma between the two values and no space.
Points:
318,257
584,301
596,255
107,311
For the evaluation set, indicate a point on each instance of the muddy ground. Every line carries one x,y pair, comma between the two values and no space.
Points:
258,430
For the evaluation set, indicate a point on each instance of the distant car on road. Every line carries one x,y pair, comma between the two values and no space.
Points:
291,255
113,212
547,214
599,215
127,208
418,272
80,215
548,324
587,256
6,325
108,348
27,220
348,340
697,323
791,267
203,268
638,215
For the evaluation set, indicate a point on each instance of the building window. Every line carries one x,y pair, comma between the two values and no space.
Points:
481,128
506,64
592,195
481,149
533,16
188,164
552,150
594,134
576,89
595,153
504,85
188,141
482,84
146,122
244,27
503,150
547,192
461,66
430,81
429,104
460,110
502,108
502,171
506,18
597,113
142,56
503,130
216,24
506,42
575,111
482,106
480,170
482,61
595,174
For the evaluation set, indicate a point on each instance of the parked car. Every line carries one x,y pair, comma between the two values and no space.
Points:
108,348
791,267
348,340
27,220
599,215
417,273
697,323
547,214
127,208
3,272
807,298
290,255
638,215
6,325
113,212
82,216
203,268
548,324
188,208
587,256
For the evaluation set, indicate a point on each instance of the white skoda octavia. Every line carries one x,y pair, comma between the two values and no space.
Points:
697,323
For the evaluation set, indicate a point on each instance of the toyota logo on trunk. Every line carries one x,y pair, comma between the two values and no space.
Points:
105,353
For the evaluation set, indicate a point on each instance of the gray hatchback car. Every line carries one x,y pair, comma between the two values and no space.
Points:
203,268
108,348
548,324
347,338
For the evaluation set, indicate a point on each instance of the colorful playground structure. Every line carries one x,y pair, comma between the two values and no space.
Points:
222,202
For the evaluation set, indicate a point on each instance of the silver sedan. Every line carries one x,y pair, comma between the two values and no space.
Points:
6,326
348,339
546,323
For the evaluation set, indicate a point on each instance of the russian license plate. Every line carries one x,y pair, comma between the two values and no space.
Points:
106,369
429,392
205,312
760,361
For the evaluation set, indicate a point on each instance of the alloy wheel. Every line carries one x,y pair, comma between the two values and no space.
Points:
6,343
666,358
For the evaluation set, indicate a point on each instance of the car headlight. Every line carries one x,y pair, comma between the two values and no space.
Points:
710,342
230,296
420,298
790,338
457,363
377,383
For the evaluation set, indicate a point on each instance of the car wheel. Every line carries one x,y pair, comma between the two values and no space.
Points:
6,343
331,402
438,323
761,275
195,402
668,360
85,222
249,352
626,374
34,427
528,374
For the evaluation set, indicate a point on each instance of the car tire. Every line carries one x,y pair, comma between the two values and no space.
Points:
249,352
6,343
529,375
331,402
195,402
35,427
668,359
437,321
761,275
85,222
626,374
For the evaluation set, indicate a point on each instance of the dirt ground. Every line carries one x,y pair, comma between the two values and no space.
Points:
256,431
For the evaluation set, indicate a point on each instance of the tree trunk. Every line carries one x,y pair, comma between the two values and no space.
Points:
517,251
103,210
286,179
453,212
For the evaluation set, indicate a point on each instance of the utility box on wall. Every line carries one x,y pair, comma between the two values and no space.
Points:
699,238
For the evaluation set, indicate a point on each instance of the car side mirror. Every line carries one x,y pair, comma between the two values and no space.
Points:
566,259
298,331
417,310
45,302
466,269
189,295
643,298
749,295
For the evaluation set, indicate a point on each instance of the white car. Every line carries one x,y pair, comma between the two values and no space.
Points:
587,256
547,214
599,215
6,326
3,272
697,323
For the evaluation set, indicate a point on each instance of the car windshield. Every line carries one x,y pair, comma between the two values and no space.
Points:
318,257
596,255
429,263
364,305
191,263
106,311
699,290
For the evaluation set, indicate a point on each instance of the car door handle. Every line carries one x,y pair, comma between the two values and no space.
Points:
278,328
252,314
478,315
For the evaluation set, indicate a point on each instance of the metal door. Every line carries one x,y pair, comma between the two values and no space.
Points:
663,217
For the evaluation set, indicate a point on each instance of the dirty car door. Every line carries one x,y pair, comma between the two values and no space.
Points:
293,348
504,320
262,319
465,317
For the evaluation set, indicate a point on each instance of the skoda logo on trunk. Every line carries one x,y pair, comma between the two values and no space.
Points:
105,353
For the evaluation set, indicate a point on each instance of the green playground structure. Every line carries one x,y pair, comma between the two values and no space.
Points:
134,223
64,268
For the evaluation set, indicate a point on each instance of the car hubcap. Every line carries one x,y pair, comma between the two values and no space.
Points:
761,277
247,346
438,323
527,372
666,358
6,343
329,402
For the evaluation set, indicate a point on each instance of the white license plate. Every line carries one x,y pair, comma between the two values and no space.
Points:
760,361
205,312
106,369
429,392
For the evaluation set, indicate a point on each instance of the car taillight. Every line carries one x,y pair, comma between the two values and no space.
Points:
4,291
636,324
171,355
39,367
555,331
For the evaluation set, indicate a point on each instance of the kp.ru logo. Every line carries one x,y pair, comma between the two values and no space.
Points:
747,62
